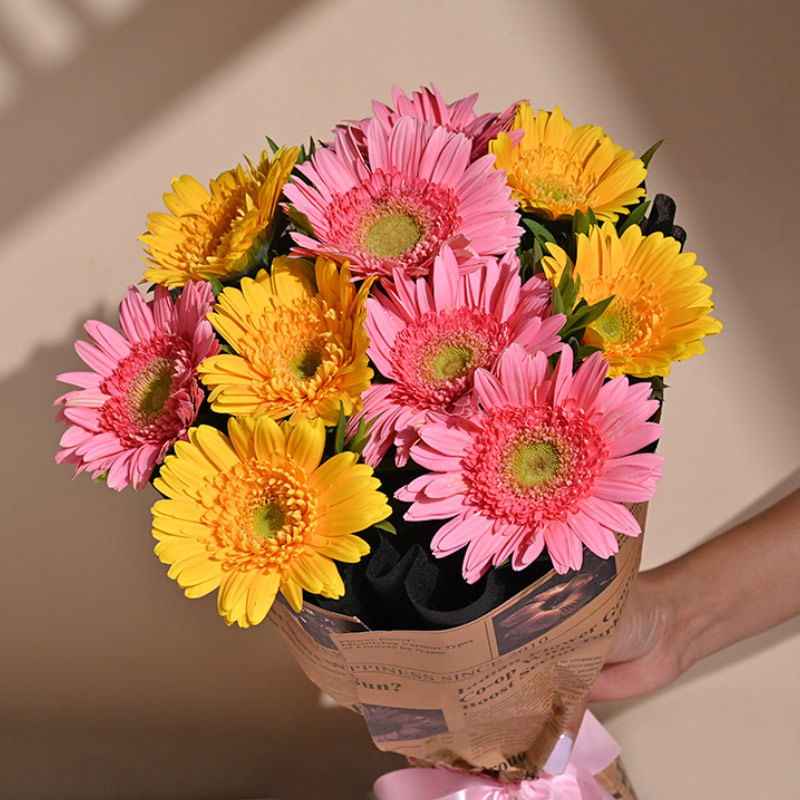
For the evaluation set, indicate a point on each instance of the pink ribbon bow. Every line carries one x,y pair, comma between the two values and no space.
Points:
593,751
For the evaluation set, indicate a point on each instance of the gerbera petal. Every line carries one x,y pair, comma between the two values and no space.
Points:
293,593
460,530
435,508
261,595
563,546
479,555
447,440
306,443
596,536
136,316
614,516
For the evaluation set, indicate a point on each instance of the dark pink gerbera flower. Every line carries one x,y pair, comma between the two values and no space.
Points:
142,393
547,461
429,336
396,202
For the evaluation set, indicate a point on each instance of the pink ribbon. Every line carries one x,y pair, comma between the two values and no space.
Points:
593,751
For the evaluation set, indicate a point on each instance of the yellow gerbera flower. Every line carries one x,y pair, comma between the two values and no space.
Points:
660,309
556,169
215,234
260,512
300,341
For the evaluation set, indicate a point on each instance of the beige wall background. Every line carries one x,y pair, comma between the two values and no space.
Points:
115,686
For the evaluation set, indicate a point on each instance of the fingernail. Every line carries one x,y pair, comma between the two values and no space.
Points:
559,758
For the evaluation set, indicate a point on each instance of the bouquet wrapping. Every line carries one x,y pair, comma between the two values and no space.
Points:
399,393
490,696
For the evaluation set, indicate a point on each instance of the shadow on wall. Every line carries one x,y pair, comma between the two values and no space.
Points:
719,83
75,81
731,127
115,686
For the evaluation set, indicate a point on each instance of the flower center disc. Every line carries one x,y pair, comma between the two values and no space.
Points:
305,365
268,520
551,177
452,362
392,235
617,324
534,462
559,191
150,389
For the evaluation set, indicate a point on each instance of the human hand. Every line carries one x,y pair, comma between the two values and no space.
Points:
733,586
645,654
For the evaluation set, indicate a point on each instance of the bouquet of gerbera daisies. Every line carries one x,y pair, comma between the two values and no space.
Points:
399,392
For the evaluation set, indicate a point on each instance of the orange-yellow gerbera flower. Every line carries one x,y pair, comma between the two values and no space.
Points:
660,311
300,343
261,512
216,233
556,169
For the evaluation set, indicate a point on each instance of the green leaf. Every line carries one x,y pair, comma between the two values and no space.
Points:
587,314
583,223
558,306
657,382
650,152
565,281
528,260
216,286
580,224
385,526
300,220
585,350
567,290
273,145
341,429
306,151
538,230
584,315
259,258
635,216
359,439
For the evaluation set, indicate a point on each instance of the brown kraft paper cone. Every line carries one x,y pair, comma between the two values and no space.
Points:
492,695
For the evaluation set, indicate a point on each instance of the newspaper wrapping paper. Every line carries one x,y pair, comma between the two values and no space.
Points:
493,695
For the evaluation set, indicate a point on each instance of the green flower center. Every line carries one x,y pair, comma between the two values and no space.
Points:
532,463
149,390
559,190
618,323
451,362
392,235
268,520
304,365
554,179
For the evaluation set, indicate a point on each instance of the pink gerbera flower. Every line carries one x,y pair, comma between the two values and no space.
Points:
142,393
547,462
395,205
430,335
428,105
